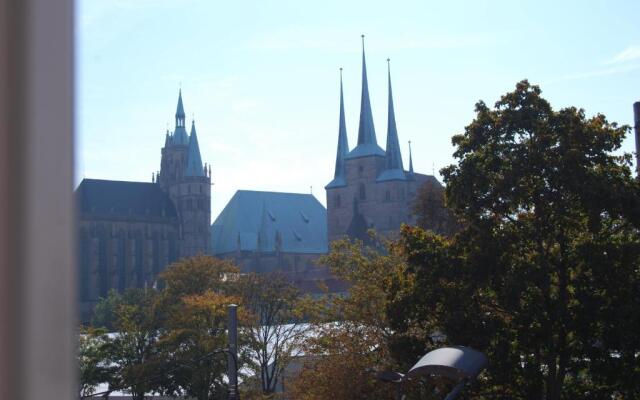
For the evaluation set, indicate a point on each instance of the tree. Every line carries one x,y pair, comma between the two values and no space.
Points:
544,276
92,360
134,348
276,329
350,339
194,309
105,313
431,212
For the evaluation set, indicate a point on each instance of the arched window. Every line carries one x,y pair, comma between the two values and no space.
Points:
363,194
338,201
387,195
360,170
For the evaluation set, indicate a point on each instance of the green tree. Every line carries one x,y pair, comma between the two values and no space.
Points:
105,313
134,348
544,276
193,306
351,333
276,329
94,369
431,212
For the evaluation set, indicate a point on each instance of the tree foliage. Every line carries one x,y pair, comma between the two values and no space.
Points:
171,341
431,212
351,333
93,364
276,329
544,276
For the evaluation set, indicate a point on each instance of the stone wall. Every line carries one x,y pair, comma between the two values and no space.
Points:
122,254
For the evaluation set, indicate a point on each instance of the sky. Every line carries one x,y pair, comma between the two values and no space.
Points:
261,79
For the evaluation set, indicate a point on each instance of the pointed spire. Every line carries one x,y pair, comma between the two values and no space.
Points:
180,134
410,159
367,144
180,108
194,161
393,157
394,169
343,145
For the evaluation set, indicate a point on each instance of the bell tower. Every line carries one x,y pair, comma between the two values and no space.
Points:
188,183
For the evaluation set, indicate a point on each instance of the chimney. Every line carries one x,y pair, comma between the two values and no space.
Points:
636,124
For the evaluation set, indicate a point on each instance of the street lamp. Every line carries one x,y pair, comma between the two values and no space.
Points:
459,363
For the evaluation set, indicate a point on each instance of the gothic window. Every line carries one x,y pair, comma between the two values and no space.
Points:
360,171
363,194
338,200
387,195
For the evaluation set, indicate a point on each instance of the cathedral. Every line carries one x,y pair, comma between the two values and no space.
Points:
130,231
370,187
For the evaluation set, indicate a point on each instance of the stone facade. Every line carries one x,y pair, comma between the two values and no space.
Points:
370,188
383,205
130,231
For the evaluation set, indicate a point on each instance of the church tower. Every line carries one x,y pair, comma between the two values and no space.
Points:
188,183
370,188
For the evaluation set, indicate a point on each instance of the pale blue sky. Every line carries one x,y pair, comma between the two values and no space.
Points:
261,78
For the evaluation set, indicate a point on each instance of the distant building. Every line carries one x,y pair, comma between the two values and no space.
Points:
130,231
270,231
370,187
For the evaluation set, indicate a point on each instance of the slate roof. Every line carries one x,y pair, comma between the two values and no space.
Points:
392,175
180,136
99,198
194,161
261,221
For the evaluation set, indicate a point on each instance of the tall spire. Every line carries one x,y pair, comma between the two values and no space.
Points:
392,158
410,159
343,145
194,161
180,134
180,110
367,144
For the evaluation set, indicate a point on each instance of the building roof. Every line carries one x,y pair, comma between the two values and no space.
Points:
392,175
266,221
118,199
194,161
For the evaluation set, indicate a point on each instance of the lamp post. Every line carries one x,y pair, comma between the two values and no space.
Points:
459,363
